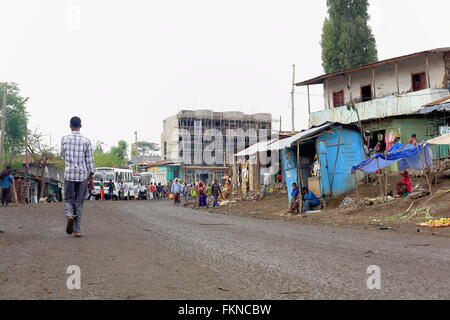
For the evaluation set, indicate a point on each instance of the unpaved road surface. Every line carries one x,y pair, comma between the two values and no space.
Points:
152,250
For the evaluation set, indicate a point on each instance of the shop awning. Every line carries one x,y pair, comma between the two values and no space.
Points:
445,139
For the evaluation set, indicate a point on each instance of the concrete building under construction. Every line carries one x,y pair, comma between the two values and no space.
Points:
187,135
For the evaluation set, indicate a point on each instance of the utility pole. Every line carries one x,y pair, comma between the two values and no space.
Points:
293,98
2,137
137,151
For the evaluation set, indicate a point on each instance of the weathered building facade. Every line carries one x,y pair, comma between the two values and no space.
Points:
385,96
392,87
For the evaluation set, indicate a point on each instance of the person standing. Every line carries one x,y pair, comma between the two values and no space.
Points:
294,196
120,189
7,180
90,187
111,188
126,192
153,190
176,190
159,190
413,139
216,191
79,161
266,184
102,189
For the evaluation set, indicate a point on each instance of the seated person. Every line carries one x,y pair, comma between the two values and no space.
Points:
294,195
404,187
309,200
51,198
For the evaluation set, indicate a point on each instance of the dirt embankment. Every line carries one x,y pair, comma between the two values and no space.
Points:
358,214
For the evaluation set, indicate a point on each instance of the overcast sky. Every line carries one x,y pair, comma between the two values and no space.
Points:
125,65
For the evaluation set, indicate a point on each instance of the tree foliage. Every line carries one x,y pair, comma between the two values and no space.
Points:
347,39
144,148
42,154
16,121
116,157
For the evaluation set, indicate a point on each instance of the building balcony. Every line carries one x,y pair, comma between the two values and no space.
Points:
379,108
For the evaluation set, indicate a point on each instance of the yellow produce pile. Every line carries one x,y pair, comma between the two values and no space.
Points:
441,223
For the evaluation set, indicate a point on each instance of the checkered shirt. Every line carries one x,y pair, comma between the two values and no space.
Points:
77,152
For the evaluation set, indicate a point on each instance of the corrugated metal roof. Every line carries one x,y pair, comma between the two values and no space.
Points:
257,147
439,101
321,79
286,143
275,144
440,107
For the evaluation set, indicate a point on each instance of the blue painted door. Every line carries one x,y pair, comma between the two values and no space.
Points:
289,165
324,169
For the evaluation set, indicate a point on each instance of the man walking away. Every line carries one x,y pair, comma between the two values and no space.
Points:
215,193
176,190
77,153
7,180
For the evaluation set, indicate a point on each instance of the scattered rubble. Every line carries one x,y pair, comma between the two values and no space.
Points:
347,202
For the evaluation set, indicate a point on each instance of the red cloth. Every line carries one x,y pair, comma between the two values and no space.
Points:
407,181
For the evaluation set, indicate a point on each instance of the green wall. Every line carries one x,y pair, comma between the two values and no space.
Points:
406,126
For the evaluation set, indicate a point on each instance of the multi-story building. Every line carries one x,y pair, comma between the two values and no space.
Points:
385,97
203,142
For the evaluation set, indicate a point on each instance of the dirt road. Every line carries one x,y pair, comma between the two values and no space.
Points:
151,250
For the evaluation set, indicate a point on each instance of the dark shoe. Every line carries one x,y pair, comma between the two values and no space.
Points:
69,228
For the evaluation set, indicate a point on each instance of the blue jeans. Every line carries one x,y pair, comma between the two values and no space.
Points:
73,201
216,200
308,204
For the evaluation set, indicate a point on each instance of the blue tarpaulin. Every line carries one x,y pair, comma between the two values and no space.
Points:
408,156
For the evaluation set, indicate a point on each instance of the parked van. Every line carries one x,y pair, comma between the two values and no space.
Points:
116,175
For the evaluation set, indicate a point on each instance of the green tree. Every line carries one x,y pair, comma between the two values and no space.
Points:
116,157
347,39
120,151
16,122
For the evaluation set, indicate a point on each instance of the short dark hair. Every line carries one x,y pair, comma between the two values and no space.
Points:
75,122
305,189
414,135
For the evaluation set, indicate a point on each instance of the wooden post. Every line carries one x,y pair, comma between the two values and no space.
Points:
387,174
16,200
379,177
3,123
309,100
426,171
299,173
374,95
356,184
396,76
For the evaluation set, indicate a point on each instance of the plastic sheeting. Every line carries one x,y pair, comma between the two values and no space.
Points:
408,156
